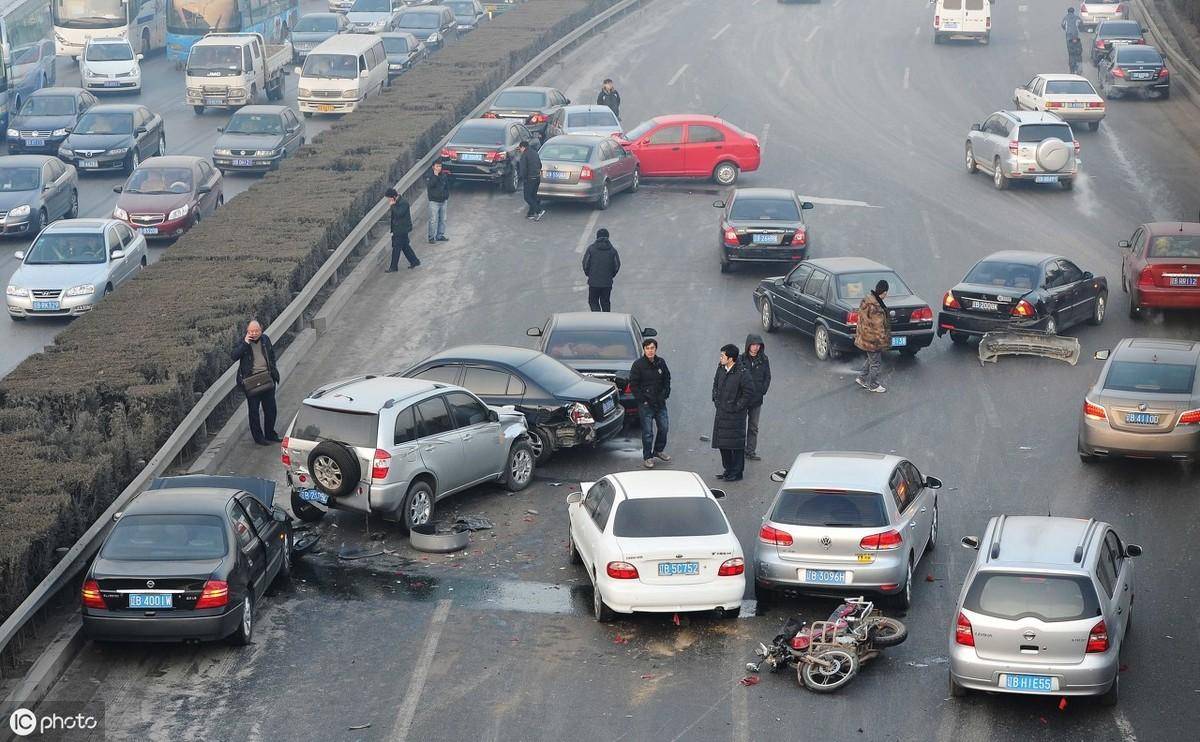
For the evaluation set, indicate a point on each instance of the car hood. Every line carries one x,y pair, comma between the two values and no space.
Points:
11,199
152,203
46,123
97,141
200,568
365,17
248,141
312,36
111,68
400,57
601,365
58,276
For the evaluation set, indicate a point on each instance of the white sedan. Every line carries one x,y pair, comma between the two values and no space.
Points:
1070,97
656,542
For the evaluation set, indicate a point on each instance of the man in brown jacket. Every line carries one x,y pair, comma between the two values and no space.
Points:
873,336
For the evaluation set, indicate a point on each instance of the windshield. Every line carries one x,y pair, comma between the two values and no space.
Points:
563,152
200,16
159,181
1069,87
395,44
371,6
593,344
1138,55
1120,29
640,130
520,99
317,23
1009,275
830,509
1175,246
67,249
19,179
254,123
857,285
419,20
216,58
461,8
592,118
550,374
108,53
763,209
1044,597
49,105
88,13
1164,378
164,538
360,429
1031,133
488,136
667,517
101,122
333,66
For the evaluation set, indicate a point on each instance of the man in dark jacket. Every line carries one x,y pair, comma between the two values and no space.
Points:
610,97
256,356
437,188
650,382
401,220
733,395
601,263
756,363
529,167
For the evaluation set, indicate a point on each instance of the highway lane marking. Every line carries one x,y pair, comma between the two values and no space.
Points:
1124,727
766,129
811,34
1022,8
741,718
787,71
416,684
588,230
838,202
917,32
933,248
677,75
717,35
906,71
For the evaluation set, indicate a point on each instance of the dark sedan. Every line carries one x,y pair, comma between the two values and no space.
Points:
762,225
430,24
821,298
530,105
257,139
1022,290
403,50
602,345
114,136
167,196
1134,69
467,13
46,118
189,559
1111,34
485,150
562,407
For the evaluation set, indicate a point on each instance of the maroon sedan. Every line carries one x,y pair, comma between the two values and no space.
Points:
165,196
1160,267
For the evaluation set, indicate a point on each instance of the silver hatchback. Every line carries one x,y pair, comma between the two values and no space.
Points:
1036,146
846,523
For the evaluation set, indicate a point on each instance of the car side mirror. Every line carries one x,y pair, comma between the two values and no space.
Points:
138,57
364,74
1133,550
221,129
719,494
140,130
971,542
118,189
779,475
118,254
976,127
19,255
933,483
1124,244
534,332
493,416
1145,30
806,204
279,516
649,332
568,102
203,190
574,498
1087,275
1101,355
718,204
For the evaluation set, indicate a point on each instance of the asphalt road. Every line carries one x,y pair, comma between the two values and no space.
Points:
854,103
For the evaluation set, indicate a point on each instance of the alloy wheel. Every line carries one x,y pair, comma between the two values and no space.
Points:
522,466
419,508
768,322
327,472
821,342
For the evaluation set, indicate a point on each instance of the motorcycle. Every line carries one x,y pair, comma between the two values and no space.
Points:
829,653
1075,55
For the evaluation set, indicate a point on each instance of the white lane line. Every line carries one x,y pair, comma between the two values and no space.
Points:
1022,8
838,202
837,3
766,129
416,683
917,32
811,34
725,28
677,75
589,229
738,712
906,71
929,238
1125,727
755,2
787,71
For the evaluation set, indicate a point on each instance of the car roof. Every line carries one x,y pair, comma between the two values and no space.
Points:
585,108
1033,117
847,470
506,354
1039,539
392,35
778,193
639,485
171,161
1156,350
263,107
345,43
1125,22
368,392
529,89
591,320
423,10
1056,76
115,108
689,118
1162,229
25,160
79,225
55,91
108,40
181,500
1125,48
848,265
1021,257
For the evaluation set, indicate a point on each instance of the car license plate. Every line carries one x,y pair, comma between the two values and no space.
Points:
1074,105
985,306
1141,418
310,495
949,25
1184,280
765,239
557,175
243,163
673,569
1027,682
148,230
111,83
471,157
35,142
1139,75
899,342
89,163
325,109
1045,179
150,600
45,306
825,576
608,406
214,102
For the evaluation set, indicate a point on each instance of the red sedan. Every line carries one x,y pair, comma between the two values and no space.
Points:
692,146
166,195
1160,267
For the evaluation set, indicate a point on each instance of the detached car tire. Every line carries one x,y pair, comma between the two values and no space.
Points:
334,468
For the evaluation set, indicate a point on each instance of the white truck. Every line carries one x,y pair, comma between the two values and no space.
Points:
230,70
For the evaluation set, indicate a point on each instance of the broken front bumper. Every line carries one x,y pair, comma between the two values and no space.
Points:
1027,343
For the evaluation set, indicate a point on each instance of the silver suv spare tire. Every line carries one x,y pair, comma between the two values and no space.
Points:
1053,154
334,468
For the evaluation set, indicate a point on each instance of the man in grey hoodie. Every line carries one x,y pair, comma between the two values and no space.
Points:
756,363
601,263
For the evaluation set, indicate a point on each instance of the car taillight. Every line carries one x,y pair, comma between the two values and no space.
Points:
580,414
1013,146
852,317
1023,309
1076,143
284,456
963,633
495,156
1120,8
1099,43
585,173
1099,104
90,594
214,595
1098,639
381,464
799,237
490,115
622,571
449,153
949,302
1093,411
628,388
1118,72
921,314
1053,104
537,118
937,21
1191,417
1146,278
882,541
771,535
732,567
1163,73
730,236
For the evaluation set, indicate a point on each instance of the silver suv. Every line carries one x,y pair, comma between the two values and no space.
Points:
1024,145
395,447
1044,609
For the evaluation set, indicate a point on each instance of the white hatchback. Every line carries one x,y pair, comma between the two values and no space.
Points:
656,542
110,64
1071,97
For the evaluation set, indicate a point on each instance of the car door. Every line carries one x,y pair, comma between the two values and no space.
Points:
1023,94
1123,586
51,192
787,301
1080,294
703,149
143,136
483,444
118,267
583,528
252,553
923,517
1134,259
207,176
134,247
270,532
986,143
441,446
604,160
661,151
906,506
1056,294
811,303
1037,95
294,127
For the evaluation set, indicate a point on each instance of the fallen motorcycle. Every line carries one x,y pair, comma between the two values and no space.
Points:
829,653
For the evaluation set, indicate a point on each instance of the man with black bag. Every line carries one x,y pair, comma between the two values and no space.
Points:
257,376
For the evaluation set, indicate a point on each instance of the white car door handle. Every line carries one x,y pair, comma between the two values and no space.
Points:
429,448
466,436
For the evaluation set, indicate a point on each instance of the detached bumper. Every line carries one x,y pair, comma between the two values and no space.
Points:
974,324
752,254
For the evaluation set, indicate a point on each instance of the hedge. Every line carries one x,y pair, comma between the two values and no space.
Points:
76,419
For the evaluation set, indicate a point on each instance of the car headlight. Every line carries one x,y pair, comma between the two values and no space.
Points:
237,92
223,152
13,133
16,291
434,38
350,94
390,67
265,153
179,213
304,92
22,210
59,133
83,289
64,152
118,150
119,213
87,72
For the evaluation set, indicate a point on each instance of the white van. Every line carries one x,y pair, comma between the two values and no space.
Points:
341,71
962,19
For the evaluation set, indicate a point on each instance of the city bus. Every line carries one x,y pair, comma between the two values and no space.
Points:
143,22
26,53
189,20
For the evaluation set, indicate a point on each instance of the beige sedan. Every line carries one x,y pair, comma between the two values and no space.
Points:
1071,97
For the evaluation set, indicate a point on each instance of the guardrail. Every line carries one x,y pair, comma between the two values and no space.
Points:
1176,58
291,319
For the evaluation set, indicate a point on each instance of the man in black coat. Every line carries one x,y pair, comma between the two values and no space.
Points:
733,394
401,220
529,167
437,188
650,382
601,263
756,363
255,356
610,97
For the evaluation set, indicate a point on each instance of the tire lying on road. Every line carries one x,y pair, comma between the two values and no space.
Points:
334,468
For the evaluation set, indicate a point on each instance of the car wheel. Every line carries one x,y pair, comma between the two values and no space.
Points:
933,528
133,161
1134,309
958,338
1051,326
74,210
245,630
519,468
1099,309
1093,126
1124,283
822,345
1084,455
541,445
726,174
1111,695
285,564
763,596
335,468
602,201
162,145
726,266
636,183
509,180
903,599
972,167
108,289
305,510
418,506
998,176
600,611
768,316
199,110
39,221
143,262
956,690
572,552
253,94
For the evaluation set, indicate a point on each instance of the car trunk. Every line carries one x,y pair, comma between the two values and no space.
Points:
474,153
614,372
702,555
809,544
1135,413
561,172
1139,71
900,310
1030,639
991,301
1072,102
1170,273
773,235
183,580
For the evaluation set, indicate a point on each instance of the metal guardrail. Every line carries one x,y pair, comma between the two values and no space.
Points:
1177,59
290,319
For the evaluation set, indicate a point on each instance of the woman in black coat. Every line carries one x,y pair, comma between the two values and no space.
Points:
734,392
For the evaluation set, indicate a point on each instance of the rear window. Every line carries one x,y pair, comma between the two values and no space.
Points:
1138,55
952,4
566,152
1120,29
666,517
490,136
756,209
830,509
352,428
858,285
592,344
1164,378
166,538
520,99
1010,275
592,118
1069,87
1175,246
974,4
1044,597
551,375
1039,132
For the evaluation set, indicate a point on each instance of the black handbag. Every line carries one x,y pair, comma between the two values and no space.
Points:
256,384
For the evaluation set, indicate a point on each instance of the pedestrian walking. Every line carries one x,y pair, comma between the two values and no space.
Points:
609,97
601,263
650,383
529,167
873,336
733,395
1070,26
401,220
754,358
437,188
257,376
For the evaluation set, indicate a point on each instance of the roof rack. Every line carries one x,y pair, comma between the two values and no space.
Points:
322,391
1081,549
994,552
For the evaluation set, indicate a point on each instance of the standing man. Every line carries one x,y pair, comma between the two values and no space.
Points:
610,97
1070,25
437,188
873,336
401,219
601,263
529,167
650,382
733,395
759,367
257,377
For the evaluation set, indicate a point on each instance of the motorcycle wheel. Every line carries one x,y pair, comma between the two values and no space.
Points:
888,632
838,668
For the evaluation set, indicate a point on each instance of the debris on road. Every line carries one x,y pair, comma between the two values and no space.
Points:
357,552
360,726
531,511
750,680
916,664
618,639
472,523
704,438
647,676
555,484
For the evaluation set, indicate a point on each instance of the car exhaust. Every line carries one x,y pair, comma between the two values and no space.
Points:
1027,343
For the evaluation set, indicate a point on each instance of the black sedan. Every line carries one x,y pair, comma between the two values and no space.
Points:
1115,33
189,559
1022,290
1134,69
762,225
403,50
485,150
562,407
46,118
821,298
114,136
531,106
603,345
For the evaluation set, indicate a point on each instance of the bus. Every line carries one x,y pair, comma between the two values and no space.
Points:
189,20
143,22
26,53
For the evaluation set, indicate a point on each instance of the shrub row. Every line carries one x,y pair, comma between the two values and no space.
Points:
76,419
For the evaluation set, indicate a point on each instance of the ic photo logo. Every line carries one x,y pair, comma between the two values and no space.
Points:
24,723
